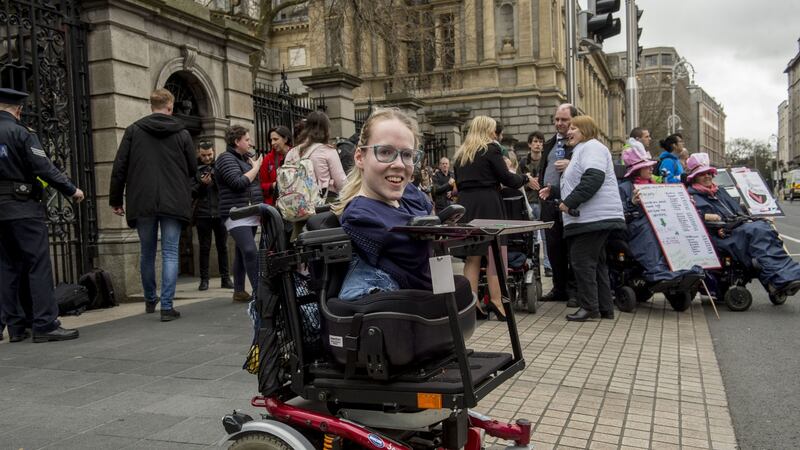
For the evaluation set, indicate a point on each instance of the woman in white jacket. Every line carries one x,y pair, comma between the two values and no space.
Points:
591,209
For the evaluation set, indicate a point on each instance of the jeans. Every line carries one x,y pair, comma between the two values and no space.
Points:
540,236
205,227
246,260
363,279
147,227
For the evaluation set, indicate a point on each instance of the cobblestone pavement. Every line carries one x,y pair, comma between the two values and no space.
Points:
648,379
643,380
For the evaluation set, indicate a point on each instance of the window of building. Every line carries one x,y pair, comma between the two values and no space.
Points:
651,60
291,12
448,41
666,59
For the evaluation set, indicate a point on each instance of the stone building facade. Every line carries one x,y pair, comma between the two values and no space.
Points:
135,47
502,58
708,134
701,118
793,73
783,132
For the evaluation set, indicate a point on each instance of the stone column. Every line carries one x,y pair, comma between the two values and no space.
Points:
448,123
406,102
336,86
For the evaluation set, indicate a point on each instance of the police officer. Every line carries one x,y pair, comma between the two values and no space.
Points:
24,245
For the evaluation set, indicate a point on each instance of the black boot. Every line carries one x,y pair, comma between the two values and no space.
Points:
582,315
203,284
168,315
59,334
226,282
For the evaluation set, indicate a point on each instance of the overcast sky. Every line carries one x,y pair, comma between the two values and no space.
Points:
739,49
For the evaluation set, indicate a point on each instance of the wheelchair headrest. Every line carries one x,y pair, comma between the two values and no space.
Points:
323,220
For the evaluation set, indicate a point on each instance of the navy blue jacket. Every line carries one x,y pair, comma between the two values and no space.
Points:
235,189
22,159
367,222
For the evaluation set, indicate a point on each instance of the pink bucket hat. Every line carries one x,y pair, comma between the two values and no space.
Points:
698,164
636,158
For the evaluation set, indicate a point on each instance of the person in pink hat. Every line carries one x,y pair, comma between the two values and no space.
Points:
641,237
754,243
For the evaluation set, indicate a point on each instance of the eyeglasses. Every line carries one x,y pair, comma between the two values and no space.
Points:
388,153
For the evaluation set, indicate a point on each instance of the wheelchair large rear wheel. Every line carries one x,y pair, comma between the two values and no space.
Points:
778,299
681,300
259,441
737,298
625,299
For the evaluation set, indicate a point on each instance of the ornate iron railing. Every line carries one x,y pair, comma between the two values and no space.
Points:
273,107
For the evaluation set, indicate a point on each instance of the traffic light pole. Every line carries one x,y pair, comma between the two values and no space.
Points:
572,52
631,88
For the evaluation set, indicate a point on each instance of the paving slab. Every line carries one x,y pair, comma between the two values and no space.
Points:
648,379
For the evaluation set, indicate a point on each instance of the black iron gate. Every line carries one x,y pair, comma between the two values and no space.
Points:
43,52
279,107
435,147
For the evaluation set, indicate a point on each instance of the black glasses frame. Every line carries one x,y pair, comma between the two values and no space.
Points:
415,158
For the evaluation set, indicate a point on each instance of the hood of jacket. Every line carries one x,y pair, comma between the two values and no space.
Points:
636,144
160,125
667,155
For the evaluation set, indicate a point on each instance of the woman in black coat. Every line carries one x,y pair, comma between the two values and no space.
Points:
480,170
237,178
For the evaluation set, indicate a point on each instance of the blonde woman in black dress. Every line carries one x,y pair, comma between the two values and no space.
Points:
480,171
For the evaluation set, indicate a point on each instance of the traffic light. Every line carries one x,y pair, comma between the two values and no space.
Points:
597,23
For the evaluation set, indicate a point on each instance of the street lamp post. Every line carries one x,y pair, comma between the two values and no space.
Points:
682,68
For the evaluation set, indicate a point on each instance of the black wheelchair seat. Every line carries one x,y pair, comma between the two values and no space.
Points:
386,330
424,304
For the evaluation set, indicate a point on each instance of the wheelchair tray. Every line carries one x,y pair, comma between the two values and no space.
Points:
477,227
488,370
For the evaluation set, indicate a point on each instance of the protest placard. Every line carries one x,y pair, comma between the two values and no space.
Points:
678,227
754,191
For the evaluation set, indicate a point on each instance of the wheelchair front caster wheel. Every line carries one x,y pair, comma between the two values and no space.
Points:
778,299
625,299
681,300
259,442
532,293
737,298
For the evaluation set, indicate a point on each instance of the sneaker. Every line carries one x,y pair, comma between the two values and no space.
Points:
226,282
548,272
150,307
168,315
241,297
203,284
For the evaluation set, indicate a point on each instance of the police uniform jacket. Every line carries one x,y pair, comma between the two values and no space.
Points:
154,167
22,160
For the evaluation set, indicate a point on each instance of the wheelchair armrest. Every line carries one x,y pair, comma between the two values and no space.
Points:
324,236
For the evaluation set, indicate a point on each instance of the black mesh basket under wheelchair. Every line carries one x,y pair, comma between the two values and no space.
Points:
273,349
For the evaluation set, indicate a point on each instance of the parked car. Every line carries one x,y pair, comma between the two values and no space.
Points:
724,180
791,186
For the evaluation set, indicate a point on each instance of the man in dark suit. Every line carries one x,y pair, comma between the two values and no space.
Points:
555,158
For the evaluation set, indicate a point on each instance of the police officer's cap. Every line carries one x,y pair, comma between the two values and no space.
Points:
12,97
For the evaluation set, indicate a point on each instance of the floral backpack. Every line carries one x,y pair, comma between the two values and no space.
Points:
298,193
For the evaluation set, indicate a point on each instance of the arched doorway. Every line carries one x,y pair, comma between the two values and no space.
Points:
192,106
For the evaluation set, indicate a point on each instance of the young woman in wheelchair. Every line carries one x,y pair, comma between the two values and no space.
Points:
377,196
640,236
752,242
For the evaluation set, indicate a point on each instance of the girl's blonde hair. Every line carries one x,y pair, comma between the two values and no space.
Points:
478,138
354,179
512,159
